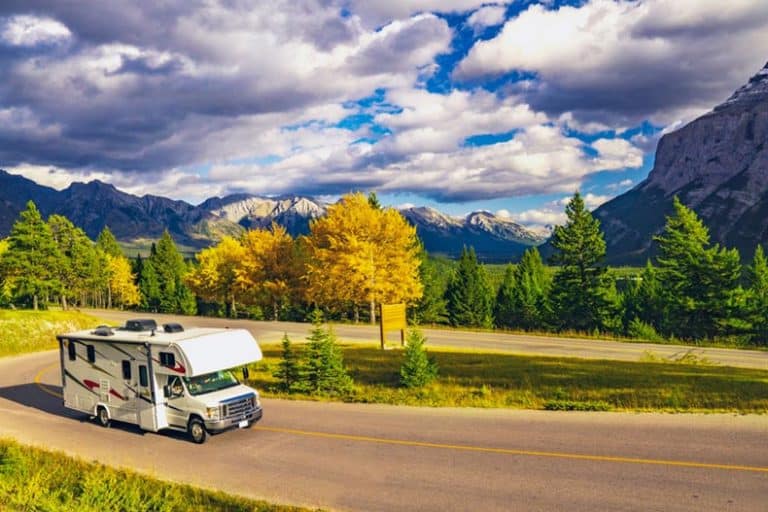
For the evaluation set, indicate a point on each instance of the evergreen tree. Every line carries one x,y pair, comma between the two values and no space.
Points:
757,297
107,242
581,287
700,282
287,373
417,369
468,295
170,269
149,287
431,308
31,264
504,310
324,370
373,201
522,297
78,268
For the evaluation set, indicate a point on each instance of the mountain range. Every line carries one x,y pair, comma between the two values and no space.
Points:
139,220
717,165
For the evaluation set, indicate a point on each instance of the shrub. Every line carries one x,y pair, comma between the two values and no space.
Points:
643,331
417,369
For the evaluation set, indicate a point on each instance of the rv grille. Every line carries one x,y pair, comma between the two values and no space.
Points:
239,407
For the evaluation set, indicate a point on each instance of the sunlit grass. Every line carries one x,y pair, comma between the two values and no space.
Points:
35,479
501,380
32,331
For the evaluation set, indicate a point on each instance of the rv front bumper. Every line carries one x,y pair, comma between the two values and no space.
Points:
233,422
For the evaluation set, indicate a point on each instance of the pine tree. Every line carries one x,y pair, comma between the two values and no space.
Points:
522,298
170,269
324,371
504,310
431,307
107,242
31,264
468,295
581,288
700,282
149,287
757,297
288,370
79,266
417,369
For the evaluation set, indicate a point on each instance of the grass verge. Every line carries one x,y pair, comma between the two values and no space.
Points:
32,331
32,479
475,379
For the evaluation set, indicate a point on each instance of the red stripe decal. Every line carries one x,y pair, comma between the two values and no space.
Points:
90,384
115,393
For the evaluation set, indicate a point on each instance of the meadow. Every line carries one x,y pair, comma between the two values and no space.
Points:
23,331
480,379
32,479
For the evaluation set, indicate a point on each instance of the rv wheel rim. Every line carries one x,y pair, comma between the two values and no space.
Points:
197,431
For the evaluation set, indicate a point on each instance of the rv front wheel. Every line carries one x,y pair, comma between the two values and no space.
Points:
102,416
197,431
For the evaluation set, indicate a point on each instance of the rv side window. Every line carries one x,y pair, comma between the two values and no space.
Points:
71,349
126,370
167,359
91,353
143,378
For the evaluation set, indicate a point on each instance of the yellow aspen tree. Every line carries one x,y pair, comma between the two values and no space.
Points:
121,281
268,274
363,255
214,278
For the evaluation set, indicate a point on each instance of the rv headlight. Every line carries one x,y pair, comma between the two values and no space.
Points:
255,401
212,413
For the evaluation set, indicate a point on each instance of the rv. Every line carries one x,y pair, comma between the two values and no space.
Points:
161,378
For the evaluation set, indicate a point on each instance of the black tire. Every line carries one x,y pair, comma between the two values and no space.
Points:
196,431
102,417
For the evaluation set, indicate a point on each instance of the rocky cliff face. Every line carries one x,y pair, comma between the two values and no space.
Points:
717,165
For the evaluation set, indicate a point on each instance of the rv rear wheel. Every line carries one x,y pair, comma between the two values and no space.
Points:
197,431
102,416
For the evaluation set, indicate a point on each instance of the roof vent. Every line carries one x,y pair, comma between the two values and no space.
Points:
103,330
140,325
173,327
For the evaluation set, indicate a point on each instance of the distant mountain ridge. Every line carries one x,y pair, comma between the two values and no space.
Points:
95,204
717,165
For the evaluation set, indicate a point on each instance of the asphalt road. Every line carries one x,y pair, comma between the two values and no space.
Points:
521,344
371,458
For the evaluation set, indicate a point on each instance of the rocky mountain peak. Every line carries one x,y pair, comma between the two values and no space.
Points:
755,90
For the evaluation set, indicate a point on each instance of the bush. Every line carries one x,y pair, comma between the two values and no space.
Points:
643,331
417,369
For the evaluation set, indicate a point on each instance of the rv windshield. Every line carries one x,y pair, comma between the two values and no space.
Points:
210,382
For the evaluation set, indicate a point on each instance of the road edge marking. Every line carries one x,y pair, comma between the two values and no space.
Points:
39,384
510,451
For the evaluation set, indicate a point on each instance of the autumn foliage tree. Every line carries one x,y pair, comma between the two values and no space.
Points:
268,274
360,254
214,278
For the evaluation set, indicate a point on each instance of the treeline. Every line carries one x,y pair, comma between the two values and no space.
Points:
361,255
694,290
54,261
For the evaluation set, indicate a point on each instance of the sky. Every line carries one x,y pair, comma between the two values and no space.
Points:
461,105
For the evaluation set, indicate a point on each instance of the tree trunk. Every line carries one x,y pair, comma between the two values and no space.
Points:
373,312
64,302
357,314
233,307
109,297
34,302
274,310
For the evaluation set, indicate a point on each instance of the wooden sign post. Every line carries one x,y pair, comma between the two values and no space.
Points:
392,319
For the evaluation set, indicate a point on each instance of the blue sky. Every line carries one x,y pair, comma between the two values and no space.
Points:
461,105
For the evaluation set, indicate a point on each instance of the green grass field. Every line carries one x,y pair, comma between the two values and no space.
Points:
475,379
32,479
32,331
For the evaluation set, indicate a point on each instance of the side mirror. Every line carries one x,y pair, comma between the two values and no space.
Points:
166,391
246,374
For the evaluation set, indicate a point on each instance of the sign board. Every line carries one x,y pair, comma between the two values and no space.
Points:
393,319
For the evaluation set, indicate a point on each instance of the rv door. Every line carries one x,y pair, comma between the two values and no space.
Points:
145,407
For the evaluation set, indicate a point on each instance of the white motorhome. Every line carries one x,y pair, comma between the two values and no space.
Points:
161,378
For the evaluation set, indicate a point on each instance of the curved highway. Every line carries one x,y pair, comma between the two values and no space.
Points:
266,331
371,458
